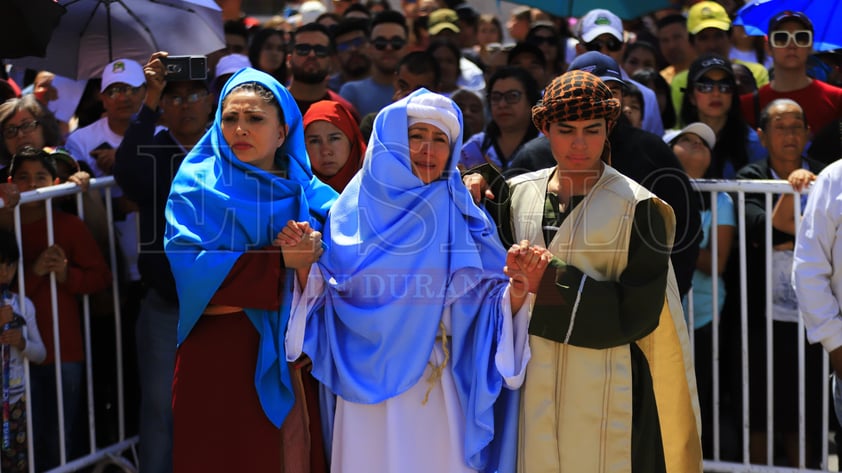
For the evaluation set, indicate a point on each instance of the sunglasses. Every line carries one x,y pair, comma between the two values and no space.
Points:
396,42
539,40
355,43
612,44
303,49
511,97
497,47
707,86
782,38
177,100
115,90
25,128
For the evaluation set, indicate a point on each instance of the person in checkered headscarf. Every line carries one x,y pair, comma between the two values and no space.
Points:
609,343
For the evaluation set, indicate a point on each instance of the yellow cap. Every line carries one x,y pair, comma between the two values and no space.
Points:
707,15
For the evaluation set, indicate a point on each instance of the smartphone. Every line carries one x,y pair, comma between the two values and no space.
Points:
103,145
186,67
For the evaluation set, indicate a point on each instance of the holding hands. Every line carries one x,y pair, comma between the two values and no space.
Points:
300,244
525,265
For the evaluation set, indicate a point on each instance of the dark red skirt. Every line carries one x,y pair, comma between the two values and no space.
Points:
218,423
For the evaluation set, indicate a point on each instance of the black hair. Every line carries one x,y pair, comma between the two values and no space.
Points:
348,25
236,27
640,45
31,154
358,7
521,48
9,249
655,81
420,62
633,91
671,19
533,95
766,115
560,60
731,139
262,92
389,16
256,46
318,28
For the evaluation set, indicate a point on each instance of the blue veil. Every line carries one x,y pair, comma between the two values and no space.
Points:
399,252
220,207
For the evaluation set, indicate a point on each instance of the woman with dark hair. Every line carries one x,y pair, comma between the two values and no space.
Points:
267,53
652,79
639,55
447,55
544,35
512,92
710,98
235,190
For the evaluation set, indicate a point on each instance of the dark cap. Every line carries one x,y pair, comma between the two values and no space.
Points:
598,64
706,63
789,15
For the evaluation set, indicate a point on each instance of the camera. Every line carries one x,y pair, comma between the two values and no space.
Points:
186,67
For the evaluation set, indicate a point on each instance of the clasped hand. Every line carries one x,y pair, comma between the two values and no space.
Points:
300,244
525,265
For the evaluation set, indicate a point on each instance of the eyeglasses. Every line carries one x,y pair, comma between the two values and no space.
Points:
396,42
25,128
178,100
539,40
351,44
115,90
707,86
303,49
612,44
782,38
510,96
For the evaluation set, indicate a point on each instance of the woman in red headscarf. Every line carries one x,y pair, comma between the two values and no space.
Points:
334,143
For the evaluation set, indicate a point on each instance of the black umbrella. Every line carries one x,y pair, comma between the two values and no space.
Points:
26,26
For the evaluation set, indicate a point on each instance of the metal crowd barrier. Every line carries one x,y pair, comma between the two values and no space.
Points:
738,190
121,454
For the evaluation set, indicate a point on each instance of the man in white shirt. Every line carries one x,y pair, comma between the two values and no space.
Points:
817,268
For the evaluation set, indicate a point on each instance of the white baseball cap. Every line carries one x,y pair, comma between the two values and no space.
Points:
598,22
697,128
123,71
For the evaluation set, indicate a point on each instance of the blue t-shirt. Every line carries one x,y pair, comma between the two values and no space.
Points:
703,282
366,95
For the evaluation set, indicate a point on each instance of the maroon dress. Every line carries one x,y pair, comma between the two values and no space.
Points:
218,422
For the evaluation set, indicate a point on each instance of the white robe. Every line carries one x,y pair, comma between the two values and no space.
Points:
404,434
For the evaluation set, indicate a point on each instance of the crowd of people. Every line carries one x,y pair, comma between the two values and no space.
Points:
428,239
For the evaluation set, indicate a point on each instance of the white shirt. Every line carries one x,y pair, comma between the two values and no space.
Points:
817,263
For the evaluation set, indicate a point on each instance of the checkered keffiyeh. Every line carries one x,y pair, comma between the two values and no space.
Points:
576,95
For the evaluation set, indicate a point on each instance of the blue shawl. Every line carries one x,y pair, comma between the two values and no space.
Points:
399,252
219,208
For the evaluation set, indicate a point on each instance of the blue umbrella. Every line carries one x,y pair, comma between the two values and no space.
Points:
625,9
825,14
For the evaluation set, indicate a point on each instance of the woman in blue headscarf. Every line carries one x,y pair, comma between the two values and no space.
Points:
237,405
412,324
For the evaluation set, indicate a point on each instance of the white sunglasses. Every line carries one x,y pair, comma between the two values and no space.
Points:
782,38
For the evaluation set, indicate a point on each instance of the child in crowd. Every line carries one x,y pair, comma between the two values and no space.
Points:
79,268
19,339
